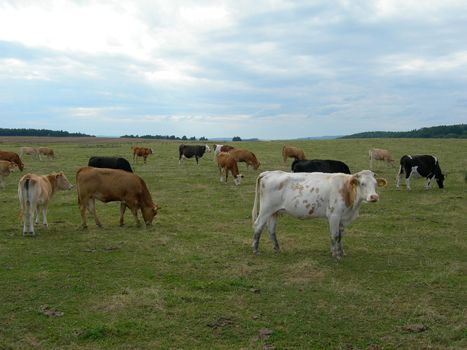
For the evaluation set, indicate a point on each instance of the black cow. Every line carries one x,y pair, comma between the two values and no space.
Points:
426,166
319,165
110,162
189,151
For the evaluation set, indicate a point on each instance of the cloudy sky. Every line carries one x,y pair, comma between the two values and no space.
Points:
272,69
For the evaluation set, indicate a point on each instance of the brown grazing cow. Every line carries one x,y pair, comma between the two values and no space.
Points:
35,191
6,168
46,151
227,163
110,185
12,157
29,151
141,152
243,155
380,154
292,152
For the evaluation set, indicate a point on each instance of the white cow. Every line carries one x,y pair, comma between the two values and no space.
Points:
337,197
35,191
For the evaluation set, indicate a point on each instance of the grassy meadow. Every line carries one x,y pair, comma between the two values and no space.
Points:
191,280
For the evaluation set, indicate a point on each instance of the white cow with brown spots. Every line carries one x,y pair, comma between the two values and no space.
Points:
6,167
380,154
34,192
337,197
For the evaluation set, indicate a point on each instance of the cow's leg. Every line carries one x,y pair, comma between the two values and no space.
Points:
196,157
258,229
122,212
145,157
134,211
407,179
26,220
398,177
32,212
44,215
334,228
82,210
221,175
341,244
428,183
272,223
92,210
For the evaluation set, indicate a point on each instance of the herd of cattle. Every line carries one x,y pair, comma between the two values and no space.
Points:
314,188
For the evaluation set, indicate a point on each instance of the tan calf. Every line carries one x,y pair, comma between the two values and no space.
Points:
34,193
114,185
6,168
29,151
243,155
227,163
46,151
292,152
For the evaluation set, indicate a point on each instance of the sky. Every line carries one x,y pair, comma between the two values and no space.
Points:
268,69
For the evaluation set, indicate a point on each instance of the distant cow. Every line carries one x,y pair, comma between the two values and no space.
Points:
141,152
110,162
12,157
320,165
380,154
6,168
34,193
227,163
114,185
31,151
337,197
243,155
426,166
46,151
189,151
292,152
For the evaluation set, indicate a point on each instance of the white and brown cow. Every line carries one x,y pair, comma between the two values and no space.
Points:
380,154
337,197
6,167
34,193
292,152
227,163
114,185
221,148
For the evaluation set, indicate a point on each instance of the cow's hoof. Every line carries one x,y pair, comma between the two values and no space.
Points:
84,227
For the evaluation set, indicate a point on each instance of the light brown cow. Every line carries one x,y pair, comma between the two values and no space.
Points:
243,155
292,152
46,151
114,185
141,152
29,151
6,168
34,192
227,163
380,154
12,157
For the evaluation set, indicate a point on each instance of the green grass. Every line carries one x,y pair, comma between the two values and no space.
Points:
191,280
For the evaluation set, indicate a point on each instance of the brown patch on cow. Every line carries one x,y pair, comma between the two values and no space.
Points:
308,205
281,185
332,209
305,201
311,211
349,191
382,182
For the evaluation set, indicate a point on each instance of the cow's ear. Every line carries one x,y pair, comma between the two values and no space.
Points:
381,182
354,181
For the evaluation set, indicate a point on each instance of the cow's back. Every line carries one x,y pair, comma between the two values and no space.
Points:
320,165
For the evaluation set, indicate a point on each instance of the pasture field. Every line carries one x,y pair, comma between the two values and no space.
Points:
191,280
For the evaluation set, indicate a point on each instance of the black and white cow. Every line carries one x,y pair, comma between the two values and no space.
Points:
426,166
110,162
189,151
320,165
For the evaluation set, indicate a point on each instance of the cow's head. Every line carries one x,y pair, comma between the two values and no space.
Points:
149,213
207,148
440,180
238,179
12,166
362,186
62,182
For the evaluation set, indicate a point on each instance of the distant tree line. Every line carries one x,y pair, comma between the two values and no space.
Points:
164,137
458,131
40,132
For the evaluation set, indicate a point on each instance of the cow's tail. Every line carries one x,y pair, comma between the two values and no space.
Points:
254,212
24,195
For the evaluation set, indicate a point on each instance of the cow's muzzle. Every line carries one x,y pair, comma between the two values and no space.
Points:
373,198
